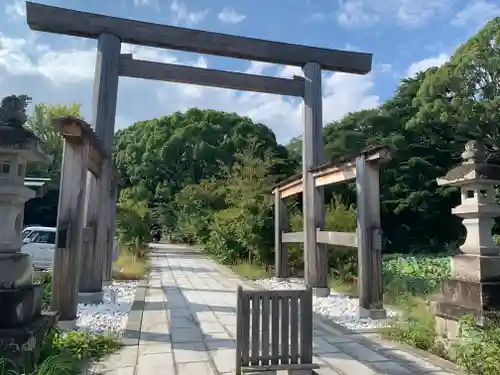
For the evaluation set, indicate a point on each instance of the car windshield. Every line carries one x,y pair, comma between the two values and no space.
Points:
30,234
25,233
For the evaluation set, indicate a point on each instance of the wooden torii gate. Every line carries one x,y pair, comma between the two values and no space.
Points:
111,32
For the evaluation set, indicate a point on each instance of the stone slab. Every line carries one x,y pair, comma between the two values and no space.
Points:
131,334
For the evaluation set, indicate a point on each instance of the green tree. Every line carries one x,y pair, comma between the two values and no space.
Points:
41,123
164,155
43,211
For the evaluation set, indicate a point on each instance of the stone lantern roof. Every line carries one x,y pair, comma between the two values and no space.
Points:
474,169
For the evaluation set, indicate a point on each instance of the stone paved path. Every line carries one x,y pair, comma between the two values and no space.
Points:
189,326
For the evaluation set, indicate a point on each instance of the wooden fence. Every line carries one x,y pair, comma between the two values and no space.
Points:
274,330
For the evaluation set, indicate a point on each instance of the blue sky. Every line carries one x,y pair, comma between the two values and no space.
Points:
405,36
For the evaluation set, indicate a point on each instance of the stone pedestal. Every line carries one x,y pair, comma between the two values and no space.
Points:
474,286
22,345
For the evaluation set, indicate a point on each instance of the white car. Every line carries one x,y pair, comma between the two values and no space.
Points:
40,243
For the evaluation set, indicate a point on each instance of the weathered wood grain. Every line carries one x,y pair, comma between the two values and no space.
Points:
286,353
280,225
331,173
103,120
89,25
312,114
337,238
210,77
69,236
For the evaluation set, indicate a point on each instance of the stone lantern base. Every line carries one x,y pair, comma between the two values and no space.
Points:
473,289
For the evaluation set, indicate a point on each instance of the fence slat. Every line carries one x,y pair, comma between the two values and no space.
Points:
245,346
254,359
285,322
294,326
306,327
266,314
275,334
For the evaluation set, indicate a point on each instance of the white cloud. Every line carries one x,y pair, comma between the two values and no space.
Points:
229,15
476,13
407,13
16,9
427,63
181,14
64,76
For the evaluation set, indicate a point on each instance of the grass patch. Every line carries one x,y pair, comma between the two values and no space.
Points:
250,271
63,354
130,267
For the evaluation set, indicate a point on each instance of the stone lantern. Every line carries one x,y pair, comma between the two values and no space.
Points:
474,286
20,299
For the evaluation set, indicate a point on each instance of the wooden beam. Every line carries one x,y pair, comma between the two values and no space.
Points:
337,238
210,77
90,25
332,173
292,237
280,225
70,216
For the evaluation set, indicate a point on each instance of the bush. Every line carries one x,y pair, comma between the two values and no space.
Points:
45,278
416,325
478,349
85,345
133,224
413,275
129,266
64,353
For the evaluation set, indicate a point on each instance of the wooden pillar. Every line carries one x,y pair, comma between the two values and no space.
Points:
70,219
316,267
280,226
103,121
109,259
369,239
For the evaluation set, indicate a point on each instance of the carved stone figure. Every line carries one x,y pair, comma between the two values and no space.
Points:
13,110
12,118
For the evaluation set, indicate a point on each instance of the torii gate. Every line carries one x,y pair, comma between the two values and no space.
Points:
111,32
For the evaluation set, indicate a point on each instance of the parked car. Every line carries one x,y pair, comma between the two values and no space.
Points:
40,243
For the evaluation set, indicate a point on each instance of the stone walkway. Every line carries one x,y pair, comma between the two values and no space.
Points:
189,325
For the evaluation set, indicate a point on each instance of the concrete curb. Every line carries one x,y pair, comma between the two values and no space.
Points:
132,332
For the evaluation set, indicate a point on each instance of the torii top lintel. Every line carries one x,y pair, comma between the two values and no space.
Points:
90,25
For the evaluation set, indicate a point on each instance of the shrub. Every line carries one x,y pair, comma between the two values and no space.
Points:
416,325
478,348
129,267
45,278
64,353
133,224
85,345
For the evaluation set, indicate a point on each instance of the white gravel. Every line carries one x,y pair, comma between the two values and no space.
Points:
112,314
339,307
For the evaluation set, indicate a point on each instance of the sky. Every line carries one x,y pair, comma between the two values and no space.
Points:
404,36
